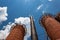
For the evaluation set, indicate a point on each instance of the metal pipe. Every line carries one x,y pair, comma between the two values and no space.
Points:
33,29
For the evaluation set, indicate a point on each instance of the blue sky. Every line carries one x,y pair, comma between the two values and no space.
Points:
26,8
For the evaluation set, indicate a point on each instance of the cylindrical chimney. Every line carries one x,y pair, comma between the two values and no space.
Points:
33,29
52,27
17,33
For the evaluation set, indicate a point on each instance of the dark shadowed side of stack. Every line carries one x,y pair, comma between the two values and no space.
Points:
17,33
58,17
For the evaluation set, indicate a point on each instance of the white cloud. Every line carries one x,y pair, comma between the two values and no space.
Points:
3,14
4,33
39,7
43,12
21,20
25,21
50,0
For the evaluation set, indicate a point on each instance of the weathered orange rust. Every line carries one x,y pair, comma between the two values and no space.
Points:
52,27
17,33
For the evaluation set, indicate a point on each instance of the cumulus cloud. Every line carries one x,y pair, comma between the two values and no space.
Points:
24,21
4,33
39,7
3,14
21,20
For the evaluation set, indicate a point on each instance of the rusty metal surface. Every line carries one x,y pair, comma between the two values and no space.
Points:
52,27
17,33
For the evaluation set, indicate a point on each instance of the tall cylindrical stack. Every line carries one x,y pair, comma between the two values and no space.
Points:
17,33
33,29
52,27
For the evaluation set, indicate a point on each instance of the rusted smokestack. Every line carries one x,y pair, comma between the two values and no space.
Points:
33,29
58,17
17,33
52,27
